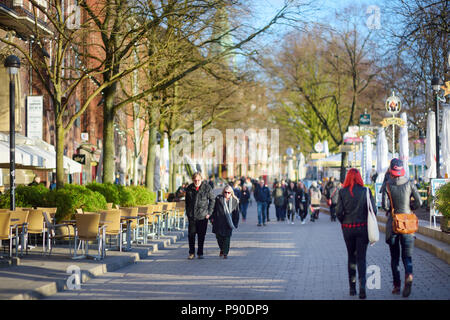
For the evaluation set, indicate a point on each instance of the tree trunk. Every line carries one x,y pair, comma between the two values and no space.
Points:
60,179
150,168
108,135
344,158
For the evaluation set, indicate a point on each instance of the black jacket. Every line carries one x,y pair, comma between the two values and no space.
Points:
299,196
262,194
353,209
401,191
218,218
245,196
199,203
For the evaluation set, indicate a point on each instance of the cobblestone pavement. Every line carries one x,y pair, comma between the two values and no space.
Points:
277,262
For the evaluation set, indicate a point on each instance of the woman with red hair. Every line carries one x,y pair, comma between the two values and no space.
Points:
351,211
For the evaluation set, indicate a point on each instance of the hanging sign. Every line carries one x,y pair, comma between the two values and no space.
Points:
35,111
364,119
80,158
393,121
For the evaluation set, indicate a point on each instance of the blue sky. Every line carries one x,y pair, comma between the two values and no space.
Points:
266,9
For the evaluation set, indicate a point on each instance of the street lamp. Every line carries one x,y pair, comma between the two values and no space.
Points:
12,64
436,85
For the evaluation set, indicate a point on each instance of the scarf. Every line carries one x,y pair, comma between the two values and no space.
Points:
228,209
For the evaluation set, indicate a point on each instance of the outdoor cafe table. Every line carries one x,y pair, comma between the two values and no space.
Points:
129,220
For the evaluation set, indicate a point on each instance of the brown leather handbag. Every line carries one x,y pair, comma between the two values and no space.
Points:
403,223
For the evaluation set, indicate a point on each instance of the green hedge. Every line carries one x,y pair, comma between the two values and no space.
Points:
108,190
124,196
442,200
142,196
26,196
92,197
73,197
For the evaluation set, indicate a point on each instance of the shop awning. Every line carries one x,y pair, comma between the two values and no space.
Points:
24,158
34,154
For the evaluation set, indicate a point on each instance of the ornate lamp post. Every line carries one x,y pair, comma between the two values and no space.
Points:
436,85
12,64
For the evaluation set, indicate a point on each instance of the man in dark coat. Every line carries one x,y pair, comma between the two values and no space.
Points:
262,197
199,207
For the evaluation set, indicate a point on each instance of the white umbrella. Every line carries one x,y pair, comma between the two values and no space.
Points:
302,167
368,158
445,142
404,144
382,155
325,148
430,147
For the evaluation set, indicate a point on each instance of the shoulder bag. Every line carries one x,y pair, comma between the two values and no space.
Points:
403,223
372,223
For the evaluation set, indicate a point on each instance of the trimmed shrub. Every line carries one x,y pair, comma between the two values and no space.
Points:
126,196
71,197
108,190
442,200
26,196
142,195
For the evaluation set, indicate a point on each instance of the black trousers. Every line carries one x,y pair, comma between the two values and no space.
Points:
356,240
224,243
197,227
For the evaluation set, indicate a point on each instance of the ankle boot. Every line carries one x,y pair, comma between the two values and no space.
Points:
408,285
353,289
362,292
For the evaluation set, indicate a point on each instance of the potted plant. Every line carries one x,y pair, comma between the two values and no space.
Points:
442,204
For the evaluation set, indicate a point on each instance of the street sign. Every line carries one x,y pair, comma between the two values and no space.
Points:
393,104
315,156
393,121
364,119
363,133
318,146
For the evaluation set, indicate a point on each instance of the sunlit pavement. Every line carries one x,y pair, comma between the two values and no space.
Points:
277,262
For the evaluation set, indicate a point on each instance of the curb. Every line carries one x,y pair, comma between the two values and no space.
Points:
54,286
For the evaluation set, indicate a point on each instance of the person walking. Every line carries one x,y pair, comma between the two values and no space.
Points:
225,218
352,211
397,194
331,194
262,197
199,207
279,198
315,196
302,201
290,202
243,202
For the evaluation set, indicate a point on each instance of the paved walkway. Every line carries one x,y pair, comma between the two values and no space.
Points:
279,261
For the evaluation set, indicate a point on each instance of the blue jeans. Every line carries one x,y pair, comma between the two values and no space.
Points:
406,242
262,208
244,206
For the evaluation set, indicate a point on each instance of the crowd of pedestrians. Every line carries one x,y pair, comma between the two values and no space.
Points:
348,202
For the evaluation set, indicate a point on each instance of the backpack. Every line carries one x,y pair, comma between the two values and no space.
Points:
316,196
278,192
